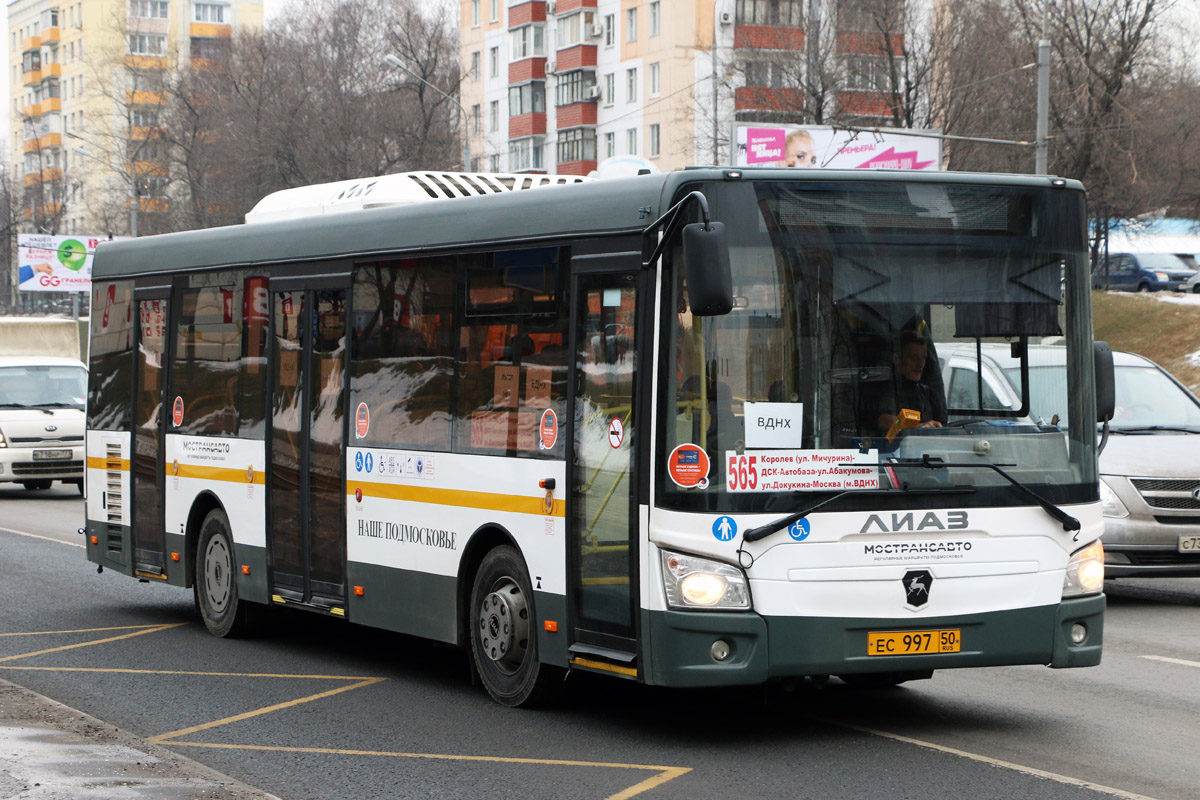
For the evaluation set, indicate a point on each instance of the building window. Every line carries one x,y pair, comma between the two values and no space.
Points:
631,25
610,89
494,62
610,30
610,145
787,13
210,12
495,10
525,154
528,41
475,118
631,86
143,117
766,73
475,66
573,87
148,9
528,98
474,13
868,73
655,18
857,15
494,162
214,48
147,44
494,115
574,29
655,142
631,141
577,144
655,80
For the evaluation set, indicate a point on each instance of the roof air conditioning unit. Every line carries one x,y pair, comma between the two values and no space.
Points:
726,18
550,65
595,93
597,30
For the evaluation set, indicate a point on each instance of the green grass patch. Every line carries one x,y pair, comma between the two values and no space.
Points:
1165,333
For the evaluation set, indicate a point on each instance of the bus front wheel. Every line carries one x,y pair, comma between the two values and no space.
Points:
504,634
225,615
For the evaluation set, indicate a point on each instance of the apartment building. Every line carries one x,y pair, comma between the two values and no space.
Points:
86,82
560,86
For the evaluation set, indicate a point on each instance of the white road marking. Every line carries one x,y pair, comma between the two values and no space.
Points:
37,536
1053,776
1174,660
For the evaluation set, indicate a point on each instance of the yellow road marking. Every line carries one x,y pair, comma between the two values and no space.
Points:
155,629
161,738
85,630
666,773
195,673
1038,773
1170,660
39,536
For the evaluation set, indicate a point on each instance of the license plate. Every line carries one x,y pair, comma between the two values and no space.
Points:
1189,544
911,643
50,455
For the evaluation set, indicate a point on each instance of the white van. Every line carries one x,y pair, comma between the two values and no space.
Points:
1150,467
42,401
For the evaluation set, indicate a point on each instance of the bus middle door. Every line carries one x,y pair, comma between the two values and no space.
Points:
305,483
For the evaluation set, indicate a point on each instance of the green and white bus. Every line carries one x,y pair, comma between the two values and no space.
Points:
626,426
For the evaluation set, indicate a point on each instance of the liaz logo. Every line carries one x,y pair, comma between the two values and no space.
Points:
932,521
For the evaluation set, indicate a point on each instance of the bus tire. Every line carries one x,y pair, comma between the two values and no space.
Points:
215,586
504,634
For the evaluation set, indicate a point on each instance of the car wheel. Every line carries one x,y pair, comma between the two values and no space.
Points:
1143,287
504,634
215,587
1196,289
36,486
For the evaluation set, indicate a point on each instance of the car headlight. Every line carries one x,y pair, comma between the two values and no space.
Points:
1162,276
701,583
1085,571
1110,504
3,441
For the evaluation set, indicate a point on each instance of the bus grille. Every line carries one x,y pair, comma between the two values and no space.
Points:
114,504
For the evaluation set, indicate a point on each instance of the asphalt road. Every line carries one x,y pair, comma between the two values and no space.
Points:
316,709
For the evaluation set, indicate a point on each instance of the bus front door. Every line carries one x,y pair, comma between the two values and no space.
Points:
603,520
147,467
305,484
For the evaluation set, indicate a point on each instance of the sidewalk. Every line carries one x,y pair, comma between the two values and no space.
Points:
51,752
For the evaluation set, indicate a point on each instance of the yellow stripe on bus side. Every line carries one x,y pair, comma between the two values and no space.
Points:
228,474
102,463
457,497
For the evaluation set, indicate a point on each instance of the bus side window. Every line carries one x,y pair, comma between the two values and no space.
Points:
403,351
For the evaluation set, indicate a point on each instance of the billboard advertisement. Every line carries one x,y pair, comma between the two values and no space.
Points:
48,263
835,148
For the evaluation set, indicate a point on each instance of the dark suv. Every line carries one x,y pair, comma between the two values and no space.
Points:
1142,272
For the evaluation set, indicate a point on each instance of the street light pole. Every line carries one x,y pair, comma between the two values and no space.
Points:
1043,100
396,62
716,104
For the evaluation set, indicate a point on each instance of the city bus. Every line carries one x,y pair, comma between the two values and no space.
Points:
625,427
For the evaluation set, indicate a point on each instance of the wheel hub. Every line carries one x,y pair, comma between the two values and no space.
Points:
504,626
216,575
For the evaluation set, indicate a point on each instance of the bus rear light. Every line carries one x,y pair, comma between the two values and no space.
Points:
95,540
551,625
245,569
358,591
174,556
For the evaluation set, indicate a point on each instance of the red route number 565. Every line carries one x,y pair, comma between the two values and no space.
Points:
742,472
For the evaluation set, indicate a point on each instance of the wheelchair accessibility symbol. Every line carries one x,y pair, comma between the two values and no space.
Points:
798,530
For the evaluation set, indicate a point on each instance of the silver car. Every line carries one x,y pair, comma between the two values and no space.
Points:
1150,467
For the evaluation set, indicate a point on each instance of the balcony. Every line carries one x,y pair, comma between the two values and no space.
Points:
578,57
527,69
768,37
765,98
575,167
50,174
146,62
576,114
527,125
209,30
51,105
33,77
50,37
47,141
51,70
31,44
32,111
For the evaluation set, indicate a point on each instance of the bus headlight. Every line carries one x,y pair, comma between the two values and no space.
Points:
701,583
1085,571
1110,504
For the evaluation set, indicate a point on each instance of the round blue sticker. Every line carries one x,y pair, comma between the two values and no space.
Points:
724,528
798,530
370,462
358,461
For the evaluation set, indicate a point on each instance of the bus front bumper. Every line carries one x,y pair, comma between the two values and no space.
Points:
682,644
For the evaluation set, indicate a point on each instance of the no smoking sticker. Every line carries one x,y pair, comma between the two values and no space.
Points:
616,432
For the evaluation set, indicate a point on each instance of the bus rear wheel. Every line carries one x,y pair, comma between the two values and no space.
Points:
503,633
215,586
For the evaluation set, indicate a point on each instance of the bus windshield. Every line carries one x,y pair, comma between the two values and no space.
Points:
853,301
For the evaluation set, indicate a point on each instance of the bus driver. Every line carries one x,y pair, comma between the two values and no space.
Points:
909,391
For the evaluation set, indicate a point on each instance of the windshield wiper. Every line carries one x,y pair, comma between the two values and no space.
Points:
57,405
763,531
1069,523
1154,428
30,408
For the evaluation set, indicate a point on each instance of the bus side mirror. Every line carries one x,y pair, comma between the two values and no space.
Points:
709,278
1106,382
